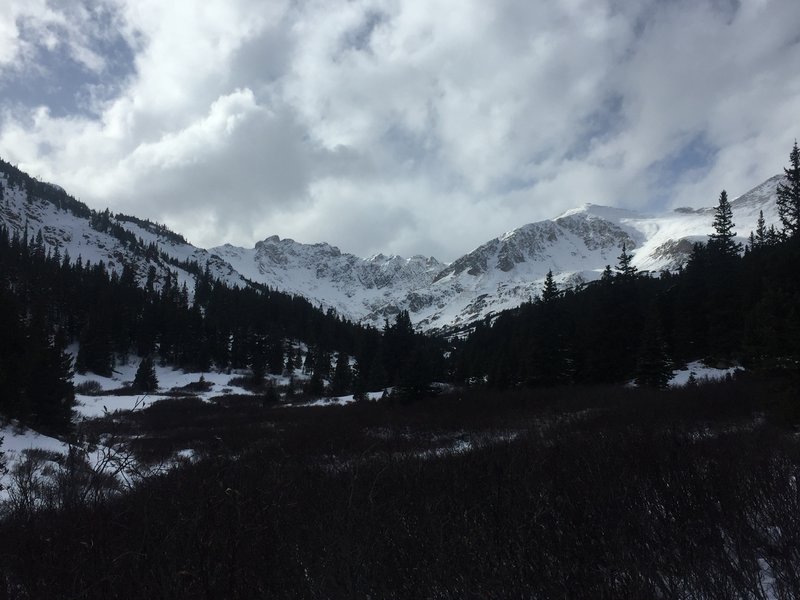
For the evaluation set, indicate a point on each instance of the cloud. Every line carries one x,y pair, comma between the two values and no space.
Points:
393,125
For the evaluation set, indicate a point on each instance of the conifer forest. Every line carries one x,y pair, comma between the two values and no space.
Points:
538,452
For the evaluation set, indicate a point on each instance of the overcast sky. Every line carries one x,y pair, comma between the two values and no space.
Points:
401,126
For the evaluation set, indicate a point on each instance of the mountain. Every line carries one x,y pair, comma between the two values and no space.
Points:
365,289
29,207
497,275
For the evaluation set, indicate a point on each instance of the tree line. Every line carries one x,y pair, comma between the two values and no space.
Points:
726,307
49,302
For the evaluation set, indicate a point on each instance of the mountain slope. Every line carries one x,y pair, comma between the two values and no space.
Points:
29,207
497,275
355,287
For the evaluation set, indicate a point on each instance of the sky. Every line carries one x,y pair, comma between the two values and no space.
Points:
395,126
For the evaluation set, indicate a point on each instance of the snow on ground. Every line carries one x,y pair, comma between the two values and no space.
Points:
89,406
340,400
18,441
701,372
15,442
115,461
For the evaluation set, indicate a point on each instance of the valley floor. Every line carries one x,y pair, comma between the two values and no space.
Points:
567,492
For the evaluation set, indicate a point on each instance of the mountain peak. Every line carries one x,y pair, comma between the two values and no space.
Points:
759,195
499,274
599,211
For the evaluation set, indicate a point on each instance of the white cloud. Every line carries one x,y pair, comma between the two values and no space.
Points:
27,25
400,126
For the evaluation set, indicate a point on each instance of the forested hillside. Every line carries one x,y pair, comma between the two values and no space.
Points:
729,305
51,303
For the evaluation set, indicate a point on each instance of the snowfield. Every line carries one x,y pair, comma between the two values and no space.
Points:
702,374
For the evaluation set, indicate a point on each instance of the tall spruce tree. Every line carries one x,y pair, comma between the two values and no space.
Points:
760,238
789,195
145,379
722,242
550,290
624,267
342,375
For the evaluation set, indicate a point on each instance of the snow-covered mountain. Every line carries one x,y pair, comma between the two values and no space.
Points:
497,275
366,289
69,226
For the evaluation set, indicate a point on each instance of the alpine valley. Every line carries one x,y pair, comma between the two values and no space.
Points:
500,274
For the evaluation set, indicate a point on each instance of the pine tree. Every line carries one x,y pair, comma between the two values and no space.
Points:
624,267
270,396
721,243
289,366
359,389
308,362
550,290
653,366
257,358
761,231
2,454
342,375
315,385
722,252
145,379
773,236
400,342
608,275
47,383
789,195
275,355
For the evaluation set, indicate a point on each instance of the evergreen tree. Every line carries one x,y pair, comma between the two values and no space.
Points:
145,379
95,348
275,358
308,362
721,243
760,238
653,366
400,341
258,363
608,275
789,195
550,289
359,384
624,267
414,381
322,365
315,386
48,384
2,454
289,366
773,236
342,375
270,396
